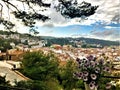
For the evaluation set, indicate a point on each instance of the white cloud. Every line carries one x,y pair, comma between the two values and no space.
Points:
107,34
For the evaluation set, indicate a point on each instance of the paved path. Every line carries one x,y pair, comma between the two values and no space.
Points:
6,69
5,64
10,75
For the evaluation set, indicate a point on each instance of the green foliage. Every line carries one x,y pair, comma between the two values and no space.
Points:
40,66
117,87
102,83
4,83
88,42
28,18
72,9
68,82
42,69
98,41
31,85
61,41
53,84
4,45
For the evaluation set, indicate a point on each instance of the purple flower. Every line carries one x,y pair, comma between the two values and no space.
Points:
80,63
93,76
92,86
77,59
92,82
97,70
79,75
85,73
104,68
90,57
90,68
75,74
85,78
107,69
108,86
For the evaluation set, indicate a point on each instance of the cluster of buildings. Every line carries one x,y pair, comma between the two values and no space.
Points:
65,52
23,41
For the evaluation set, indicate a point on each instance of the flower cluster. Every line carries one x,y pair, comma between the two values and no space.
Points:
90,70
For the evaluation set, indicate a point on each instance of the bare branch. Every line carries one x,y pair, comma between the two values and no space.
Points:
11,4
31,7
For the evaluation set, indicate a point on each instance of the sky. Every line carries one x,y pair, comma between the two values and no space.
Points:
104,24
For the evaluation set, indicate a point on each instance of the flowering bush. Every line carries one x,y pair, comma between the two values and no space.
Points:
90,70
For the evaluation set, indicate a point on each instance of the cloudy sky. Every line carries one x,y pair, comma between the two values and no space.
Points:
104,24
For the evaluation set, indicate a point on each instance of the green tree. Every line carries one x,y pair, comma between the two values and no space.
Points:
4,45
40,66
42,69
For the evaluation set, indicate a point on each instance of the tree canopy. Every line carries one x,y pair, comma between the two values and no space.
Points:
38,66
42,69
31,10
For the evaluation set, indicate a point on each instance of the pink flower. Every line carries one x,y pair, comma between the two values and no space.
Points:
85,73
92,82
97,70
80,75
77,59
85,78
107,69
93,76
108,86
92,86
90,58
104,68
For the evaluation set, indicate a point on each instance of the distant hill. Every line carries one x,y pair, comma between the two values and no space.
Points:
62,41
98,41
47,37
